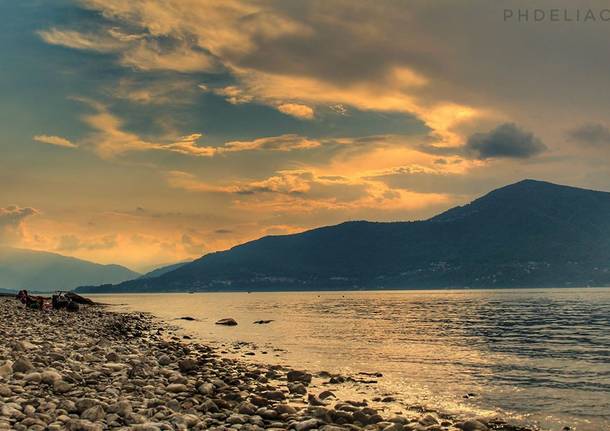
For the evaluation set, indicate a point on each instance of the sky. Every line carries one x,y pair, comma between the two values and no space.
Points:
147,132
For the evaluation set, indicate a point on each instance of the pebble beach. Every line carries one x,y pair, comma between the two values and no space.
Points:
96,370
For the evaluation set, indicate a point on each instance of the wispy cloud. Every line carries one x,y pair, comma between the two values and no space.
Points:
100,42
55,140
110,139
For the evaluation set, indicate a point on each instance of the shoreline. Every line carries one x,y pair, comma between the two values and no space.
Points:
99,369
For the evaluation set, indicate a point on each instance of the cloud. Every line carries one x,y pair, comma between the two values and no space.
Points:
287,142
72,243
83,41
593,134
157,91
150,55
232,94
55,140
290,57
12,223
296,191
505,141
110,139
223,231
289,182
297,110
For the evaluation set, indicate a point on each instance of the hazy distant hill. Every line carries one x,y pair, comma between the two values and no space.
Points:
46,272
528,234
163,270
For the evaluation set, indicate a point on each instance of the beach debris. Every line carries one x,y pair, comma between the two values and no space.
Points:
75,297
31,301
227,322
262,322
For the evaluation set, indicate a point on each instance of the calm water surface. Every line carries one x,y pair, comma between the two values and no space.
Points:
539,356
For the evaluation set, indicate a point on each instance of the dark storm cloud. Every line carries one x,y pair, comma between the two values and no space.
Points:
593,134
341,49
505,141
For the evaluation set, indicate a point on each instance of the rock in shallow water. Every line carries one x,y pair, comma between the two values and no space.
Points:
227,322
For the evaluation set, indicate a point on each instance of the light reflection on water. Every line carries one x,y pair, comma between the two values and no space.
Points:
538,355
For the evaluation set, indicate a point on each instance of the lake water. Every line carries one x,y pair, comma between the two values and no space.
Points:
537,356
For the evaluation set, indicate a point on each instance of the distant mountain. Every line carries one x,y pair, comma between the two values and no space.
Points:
47,272
163,270
528,234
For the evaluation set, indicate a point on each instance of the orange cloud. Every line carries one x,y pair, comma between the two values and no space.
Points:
296,110
12,229
55,140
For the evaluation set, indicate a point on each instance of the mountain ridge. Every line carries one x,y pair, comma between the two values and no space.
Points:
527,234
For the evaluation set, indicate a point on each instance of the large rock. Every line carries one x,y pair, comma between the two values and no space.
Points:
273,395
306,425
49,377
227,322
22,365
6,369
299,376
164,360
85,403
33,377
297,388
176,388
187,365
93,414
62,387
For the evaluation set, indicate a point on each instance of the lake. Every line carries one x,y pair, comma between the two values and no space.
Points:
536,356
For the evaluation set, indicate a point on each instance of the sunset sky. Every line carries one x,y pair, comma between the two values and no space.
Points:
147,132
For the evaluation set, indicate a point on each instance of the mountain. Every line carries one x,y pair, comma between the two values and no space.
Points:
528,234
47,272
163,270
